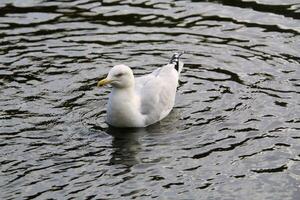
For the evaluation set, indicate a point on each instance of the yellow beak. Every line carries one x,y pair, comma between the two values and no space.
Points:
103,82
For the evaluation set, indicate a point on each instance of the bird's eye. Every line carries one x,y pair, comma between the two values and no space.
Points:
119,75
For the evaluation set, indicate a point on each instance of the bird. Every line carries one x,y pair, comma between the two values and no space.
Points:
136,102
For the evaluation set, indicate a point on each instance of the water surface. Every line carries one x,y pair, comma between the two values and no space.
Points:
234,132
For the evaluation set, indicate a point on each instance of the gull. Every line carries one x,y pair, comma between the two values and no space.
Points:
141,101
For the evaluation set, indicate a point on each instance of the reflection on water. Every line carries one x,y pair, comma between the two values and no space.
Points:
234,129
126,146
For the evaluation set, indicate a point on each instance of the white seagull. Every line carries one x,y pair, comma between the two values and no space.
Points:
142,101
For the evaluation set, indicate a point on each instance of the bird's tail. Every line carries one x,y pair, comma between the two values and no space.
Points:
175,60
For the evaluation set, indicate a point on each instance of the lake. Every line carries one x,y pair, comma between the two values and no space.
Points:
234,130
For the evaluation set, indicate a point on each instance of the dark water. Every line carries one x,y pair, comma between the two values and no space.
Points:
234,133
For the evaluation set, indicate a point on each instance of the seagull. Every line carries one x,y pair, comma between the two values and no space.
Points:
141,101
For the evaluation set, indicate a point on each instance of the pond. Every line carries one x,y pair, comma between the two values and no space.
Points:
234,130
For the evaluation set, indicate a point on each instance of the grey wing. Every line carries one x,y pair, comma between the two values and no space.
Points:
143,80
157,92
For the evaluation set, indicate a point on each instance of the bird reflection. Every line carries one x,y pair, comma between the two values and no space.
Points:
126,145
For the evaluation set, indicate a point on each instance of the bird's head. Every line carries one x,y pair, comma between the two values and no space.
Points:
120,76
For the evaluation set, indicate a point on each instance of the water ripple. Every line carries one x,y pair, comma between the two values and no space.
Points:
234,127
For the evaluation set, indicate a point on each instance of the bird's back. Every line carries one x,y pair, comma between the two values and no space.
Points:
158,91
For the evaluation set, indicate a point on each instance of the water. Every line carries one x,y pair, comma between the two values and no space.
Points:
234,132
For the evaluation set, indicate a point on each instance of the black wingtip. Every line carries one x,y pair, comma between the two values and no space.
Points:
175,59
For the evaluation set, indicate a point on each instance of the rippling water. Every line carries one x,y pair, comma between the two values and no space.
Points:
234,132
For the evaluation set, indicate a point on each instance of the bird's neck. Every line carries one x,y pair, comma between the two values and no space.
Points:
128,92
123,98
123,108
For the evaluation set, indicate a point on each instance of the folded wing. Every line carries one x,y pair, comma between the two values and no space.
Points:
157,91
